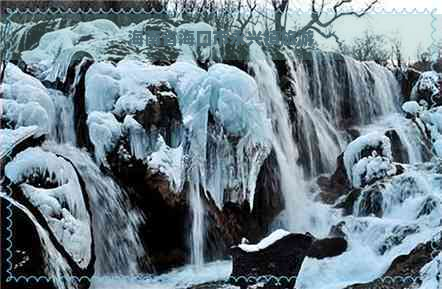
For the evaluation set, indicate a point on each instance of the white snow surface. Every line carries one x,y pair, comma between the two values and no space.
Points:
266,242
169,161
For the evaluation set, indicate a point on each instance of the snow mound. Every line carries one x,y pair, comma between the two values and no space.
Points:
266,242
355,150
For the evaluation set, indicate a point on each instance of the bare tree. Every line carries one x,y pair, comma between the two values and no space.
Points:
280,8
370,46
318,21
396,50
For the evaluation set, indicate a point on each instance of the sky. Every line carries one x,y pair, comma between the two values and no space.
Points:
414,30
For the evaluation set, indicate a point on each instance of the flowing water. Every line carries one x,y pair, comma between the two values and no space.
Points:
292,180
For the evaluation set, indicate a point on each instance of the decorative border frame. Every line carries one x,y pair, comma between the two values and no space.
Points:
409,280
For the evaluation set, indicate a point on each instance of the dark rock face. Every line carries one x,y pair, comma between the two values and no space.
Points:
404,266
156,121
282,258
335,186
408,79
268,201
371,202
397,149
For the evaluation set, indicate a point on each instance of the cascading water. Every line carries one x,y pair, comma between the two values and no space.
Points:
118,247
293,185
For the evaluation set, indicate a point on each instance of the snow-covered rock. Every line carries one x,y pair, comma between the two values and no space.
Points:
427,87
412,108
371,168
56,49
362,147
31,113
278,255
266,242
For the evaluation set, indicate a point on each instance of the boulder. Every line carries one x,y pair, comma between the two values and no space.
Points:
277,259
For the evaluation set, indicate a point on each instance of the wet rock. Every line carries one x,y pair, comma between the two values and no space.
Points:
336,185
283,257
397,235
428,206
371,202
398,152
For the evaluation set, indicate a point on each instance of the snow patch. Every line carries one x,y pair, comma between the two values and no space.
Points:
266,242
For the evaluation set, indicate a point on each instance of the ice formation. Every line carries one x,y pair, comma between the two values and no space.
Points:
63,206
104,132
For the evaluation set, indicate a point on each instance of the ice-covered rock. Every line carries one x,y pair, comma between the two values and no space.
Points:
104,133
57,49
102,87
17,114
51,185
27,91
13,139
170,162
